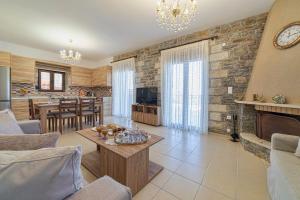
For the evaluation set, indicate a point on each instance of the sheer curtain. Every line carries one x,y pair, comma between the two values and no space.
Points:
123,87
185,87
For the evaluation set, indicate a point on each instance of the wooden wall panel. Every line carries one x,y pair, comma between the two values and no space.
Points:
4,59
20,108
102,76
81,76
22,69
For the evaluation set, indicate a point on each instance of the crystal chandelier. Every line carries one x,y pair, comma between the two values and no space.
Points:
175,15
70,56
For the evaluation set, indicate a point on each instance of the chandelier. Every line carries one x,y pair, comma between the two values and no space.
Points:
175,15
70,56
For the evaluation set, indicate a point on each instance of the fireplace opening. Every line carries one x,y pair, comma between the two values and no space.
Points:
268,123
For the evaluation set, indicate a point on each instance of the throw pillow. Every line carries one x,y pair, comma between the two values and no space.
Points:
28,141
298,149
8,125
51,173
9,112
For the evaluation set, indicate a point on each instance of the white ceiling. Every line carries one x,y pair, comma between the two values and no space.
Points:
104,28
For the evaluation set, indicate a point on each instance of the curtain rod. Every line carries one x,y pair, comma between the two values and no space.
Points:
123,59
208,38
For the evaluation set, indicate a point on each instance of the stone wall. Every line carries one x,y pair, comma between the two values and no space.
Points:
232,57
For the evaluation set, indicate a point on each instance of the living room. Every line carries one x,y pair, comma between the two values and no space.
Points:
160,99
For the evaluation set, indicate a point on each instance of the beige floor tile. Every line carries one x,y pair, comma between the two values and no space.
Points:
161,179
192,172
181,187
88,176
221,175
161,148
163,195
147,193
202,160
205,193
230,171
166,161
178,154
250,181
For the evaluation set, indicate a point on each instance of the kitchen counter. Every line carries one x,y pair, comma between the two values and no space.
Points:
43,97
29,97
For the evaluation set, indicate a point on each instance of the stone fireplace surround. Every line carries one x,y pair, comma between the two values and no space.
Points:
258,121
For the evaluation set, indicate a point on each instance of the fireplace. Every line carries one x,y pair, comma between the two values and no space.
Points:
268,123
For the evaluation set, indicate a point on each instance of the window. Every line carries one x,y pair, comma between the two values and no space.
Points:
51,81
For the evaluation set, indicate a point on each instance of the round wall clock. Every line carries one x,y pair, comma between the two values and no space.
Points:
288,36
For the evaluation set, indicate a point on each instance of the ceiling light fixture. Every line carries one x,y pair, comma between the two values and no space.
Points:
175,15
70,56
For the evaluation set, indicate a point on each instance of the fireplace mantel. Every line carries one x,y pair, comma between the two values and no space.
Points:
292,109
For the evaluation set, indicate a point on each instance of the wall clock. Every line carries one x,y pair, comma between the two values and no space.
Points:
288,36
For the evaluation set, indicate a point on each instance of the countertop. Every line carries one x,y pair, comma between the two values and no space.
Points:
43,97
29,97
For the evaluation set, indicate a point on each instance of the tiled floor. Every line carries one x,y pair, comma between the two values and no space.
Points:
207,167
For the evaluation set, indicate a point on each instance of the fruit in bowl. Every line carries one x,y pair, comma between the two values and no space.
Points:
115,128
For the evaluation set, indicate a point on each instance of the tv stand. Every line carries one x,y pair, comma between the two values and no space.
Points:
147,114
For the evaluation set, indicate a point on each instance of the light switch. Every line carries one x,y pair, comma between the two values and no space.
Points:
228,117
229,90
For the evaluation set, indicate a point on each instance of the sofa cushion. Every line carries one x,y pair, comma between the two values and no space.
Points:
51,173
284,176
8,125
297,153
28,141
9,112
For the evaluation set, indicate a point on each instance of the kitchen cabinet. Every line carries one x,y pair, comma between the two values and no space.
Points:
20,108
22,69
102,76
4,59
81,76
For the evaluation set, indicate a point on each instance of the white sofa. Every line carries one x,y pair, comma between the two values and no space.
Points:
284,171
20,136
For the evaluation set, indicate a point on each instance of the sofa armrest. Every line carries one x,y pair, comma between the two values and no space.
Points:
103,188
30,126
28,141
284,142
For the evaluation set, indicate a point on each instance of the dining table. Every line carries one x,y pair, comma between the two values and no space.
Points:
45,108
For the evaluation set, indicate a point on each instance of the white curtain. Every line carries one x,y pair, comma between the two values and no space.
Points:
185,87
123,87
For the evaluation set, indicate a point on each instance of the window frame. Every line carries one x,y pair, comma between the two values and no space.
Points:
51,80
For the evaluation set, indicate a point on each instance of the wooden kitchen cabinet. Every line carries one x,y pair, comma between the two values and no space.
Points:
4,59
22,69
102,76
81,76
20,108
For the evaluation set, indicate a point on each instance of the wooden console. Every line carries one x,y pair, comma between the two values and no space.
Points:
146,114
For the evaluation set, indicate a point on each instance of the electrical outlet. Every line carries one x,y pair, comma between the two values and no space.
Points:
228,130
229,90
228,117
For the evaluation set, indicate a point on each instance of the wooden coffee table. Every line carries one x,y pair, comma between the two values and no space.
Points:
127,164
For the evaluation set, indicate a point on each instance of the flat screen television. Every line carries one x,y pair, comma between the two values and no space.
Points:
146,95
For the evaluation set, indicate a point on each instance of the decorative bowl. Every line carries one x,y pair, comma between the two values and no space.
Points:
131,137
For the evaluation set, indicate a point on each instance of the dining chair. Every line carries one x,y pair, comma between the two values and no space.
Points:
99,109
34,114
67,109
87,110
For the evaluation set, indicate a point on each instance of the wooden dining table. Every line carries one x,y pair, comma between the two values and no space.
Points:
44,109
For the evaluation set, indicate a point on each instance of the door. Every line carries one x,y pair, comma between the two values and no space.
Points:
186,95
